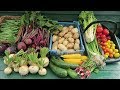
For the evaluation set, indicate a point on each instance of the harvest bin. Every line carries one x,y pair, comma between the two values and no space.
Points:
82,49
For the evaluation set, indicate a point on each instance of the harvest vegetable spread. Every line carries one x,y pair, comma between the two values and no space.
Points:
25,46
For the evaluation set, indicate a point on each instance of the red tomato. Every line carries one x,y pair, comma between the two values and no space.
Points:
105,32
104,40
108,38
99,29
103,36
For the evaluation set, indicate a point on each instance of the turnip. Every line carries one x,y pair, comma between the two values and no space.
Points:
33,69
8,70
43,53
28,41
42,71
16,69
23,70
21,45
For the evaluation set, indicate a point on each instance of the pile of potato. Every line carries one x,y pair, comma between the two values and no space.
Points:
66,39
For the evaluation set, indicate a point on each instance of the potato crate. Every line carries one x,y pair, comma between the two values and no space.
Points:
82,48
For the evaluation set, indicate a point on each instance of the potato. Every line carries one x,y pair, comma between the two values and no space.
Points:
76,36
62,47
70,34
64,28
71,40
55,43
54,38
74,30
66,35
70,28
65,42
60,41
61,34
70,45
54,48
59,38
77,41
76,46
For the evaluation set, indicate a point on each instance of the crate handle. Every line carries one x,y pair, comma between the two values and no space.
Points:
94,22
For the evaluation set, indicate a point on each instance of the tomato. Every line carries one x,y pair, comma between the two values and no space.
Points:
108,38
116,55
105,32
101,43
110,51
103,47
107,53
104,40
102,36
116,50
107,49
111,55
99,29
112,47
106,56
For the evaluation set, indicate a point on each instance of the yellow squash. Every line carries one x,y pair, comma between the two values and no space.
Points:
73,61
69,56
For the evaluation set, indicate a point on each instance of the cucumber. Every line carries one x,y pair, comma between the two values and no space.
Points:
60,72
63,64
72,74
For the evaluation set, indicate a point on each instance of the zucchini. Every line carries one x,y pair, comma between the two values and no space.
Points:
72,74
60,72
63,64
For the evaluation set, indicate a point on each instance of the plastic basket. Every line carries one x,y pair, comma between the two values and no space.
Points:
82,48
112,31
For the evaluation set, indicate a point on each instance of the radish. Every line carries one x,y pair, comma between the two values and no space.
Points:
8,70
43,53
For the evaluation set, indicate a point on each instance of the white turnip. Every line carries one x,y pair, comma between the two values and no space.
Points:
33,69
42,71
23,70
43,53
8,70
16,69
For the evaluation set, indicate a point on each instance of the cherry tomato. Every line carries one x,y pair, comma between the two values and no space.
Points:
105,32
110,51
116,55
108,38
111,55
107,53
104,40
107,49
103,47
116,50
106,56
99,29
103,36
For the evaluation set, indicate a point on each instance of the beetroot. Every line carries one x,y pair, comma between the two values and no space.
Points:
2,48
28,41
21,45
11,49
